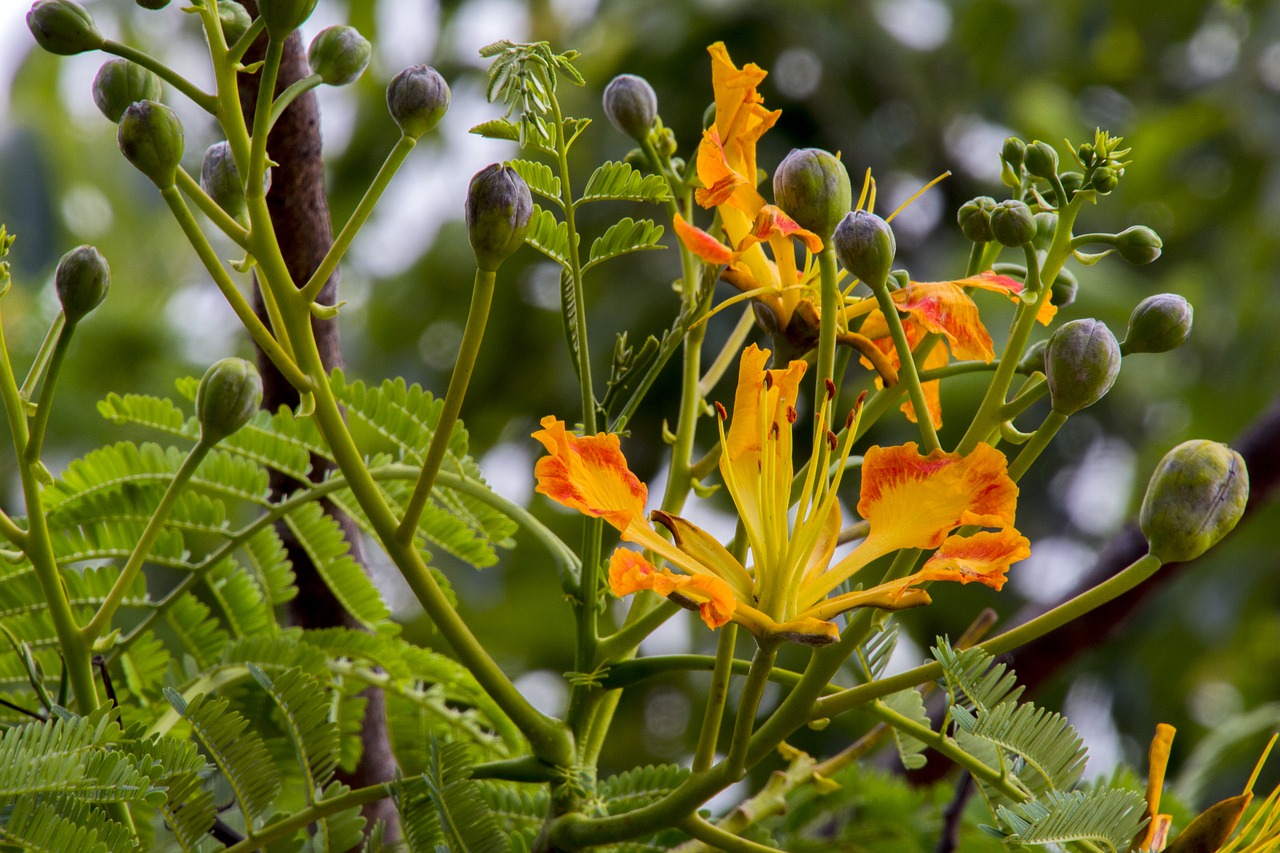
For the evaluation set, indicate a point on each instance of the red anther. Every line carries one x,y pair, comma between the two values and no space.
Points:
862,398
720,410
773,430
831,441
768,380
791,414
831,390
848,421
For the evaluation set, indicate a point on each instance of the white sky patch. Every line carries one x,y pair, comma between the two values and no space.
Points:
1054,568
483,22
1213,51
408,34
797,72
545,691
1096,492
917,24
87,212
508,469
1088,707
205,324
918,218
974,144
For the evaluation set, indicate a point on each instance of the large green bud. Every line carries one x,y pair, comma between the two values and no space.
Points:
63,27
220,179
228,395
1012,223
1196,495
812,186
82,280
119,83
865,245
631,105
1041,159
284,16
974,218
1081,364
1158,324
498,211
151,138
418,98
235,20
339,55
1138,244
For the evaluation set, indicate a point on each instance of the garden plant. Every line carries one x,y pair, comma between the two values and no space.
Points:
154,695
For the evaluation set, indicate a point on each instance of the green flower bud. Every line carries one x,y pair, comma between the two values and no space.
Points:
865,245
81,281
631,105
1159,323
1012,223
1041,160
1072,182
1063,292
1046,225
418,98
974,217
498,211
63,27
119,83
220,179
153,5
339,55
1104,179
1033,359
151,138
284,16
228,395
667,145
1196,495
1013,152
1081,364
1138,244
235,20
812,186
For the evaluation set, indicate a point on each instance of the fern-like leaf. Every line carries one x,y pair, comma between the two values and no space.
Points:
1107,816
304,705
640,786
497,128
628,235
319,535
549,235
40,825
974,679
620,182
1053,751
873,656
465,822
909,703
539,177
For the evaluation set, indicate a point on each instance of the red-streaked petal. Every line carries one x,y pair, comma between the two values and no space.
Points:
914,501
630,572
719,178
589,474
772,222
741,118
701,243
983,558
943,307
993,281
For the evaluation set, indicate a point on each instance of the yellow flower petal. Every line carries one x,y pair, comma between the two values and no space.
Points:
701,243
589,474
630,572
983,557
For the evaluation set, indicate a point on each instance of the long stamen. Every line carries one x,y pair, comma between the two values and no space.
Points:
830,495
736,489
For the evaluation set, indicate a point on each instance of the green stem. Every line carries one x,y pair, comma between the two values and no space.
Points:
831,304
303,818
907,374
717,695
96,626
629,672
575,278
237,51
719,839
395,159
200,98
1039,441
219,217
957,368
629,635
679,476
472,337
243,310
44,406
41,362
524,769
748,705
291,94
1034,388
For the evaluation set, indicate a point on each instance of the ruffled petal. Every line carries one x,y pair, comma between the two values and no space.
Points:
993,281
983,558
771,222
741,118
701,243
630,572
589,474
706,551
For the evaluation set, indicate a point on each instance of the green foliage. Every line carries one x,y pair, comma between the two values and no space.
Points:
620,182
624,236
1105,816
444,807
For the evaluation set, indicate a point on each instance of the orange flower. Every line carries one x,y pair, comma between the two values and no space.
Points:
909,501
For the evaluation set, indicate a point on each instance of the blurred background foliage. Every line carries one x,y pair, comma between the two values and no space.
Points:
907,88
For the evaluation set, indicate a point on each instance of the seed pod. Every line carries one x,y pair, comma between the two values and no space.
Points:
63,27
119,83
1081,364
418,98
1196,495
228,395
974,217
82,280
631,105
865,245
235,20
151,138
1158,324
284,16
1138,244
498,211
1012,223
339,55
1041,160
220,178
812,186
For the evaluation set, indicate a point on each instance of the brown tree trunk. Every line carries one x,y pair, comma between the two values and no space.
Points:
300,214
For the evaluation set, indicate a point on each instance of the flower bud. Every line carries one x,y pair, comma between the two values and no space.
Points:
1063,292
119,83
1013,152
151,138
1081,364
235,20
498,211
284,16
1138,244
1046,226
812,186
1196,495
63,27
228,395
1012,223
153,5
220,179
1072,182
1033,359
1104,179
1159,323
418,98
339,55
631,105
81,281
974,217
1041,160
865,245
